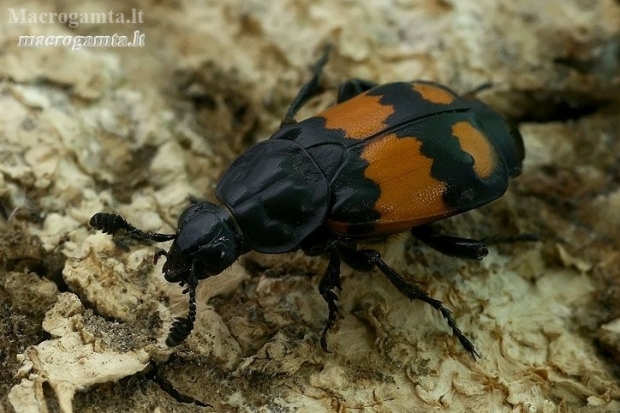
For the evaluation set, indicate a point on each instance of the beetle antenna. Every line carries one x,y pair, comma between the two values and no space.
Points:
112,223
183,326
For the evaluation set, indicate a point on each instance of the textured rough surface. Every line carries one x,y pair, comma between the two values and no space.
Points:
138,130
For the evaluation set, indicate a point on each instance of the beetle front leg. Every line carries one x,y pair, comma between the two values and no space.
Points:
451,245
372,258
329,283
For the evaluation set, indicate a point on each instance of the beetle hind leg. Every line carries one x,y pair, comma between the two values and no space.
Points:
372,258
451,245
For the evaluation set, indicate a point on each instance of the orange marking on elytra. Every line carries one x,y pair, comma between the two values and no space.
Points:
478,146
410,196
359,117
433,93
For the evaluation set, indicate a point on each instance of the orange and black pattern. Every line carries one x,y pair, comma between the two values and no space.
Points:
405,154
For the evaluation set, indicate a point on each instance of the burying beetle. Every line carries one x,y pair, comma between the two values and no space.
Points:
384,159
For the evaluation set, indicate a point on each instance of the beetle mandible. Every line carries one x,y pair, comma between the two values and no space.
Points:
384,159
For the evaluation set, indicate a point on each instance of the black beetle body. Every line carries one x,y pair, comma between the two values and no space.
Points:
384,159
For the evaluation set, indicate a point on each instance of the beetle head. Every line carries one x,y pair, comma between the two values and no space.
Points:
206,243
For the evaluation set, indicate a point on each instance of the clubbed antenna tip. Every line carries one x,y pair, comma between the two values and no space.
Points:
183,326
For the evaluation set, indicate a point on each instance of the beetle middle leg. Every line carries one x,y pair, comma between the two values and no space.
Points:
353,87
471,94
310,89
511,239
347,89
368,259
459,247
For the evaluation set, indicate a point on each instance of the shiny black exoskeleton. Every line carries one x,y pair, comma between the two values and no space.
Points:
384,159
